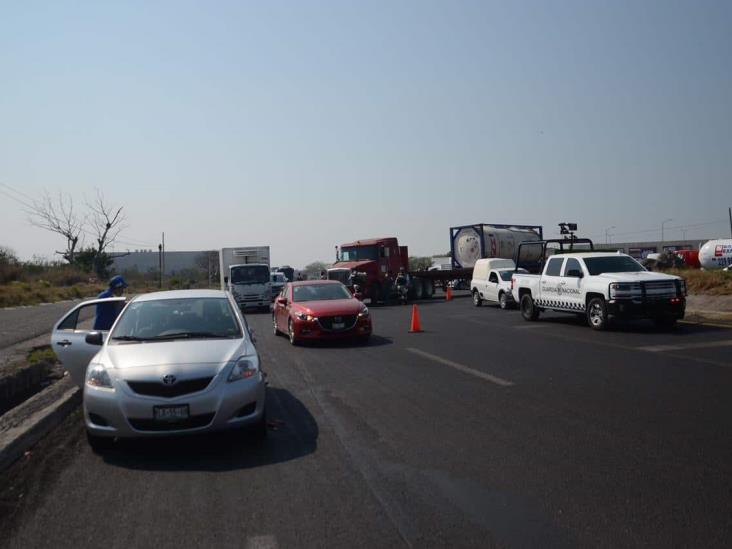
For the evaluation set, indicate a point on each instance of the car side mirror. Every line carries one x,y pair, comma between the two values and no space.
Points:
226,280
575,273
94,338
282,301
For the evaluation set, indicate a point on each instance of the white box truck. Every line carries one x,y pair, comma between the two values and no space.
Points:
245,273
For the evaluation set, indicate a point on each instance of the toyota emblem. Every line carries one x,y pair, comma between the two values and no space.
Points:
169,380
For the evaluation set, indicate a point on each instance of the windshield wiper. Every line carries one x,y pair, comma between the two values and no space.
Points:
130,338
185,335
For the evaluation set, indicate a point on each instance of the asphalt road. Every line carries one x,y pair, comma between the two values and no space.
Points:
21,323
484,431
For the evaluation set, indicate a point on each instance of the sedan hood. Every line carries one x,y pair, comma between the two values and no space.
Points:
175,357
331,307
641,276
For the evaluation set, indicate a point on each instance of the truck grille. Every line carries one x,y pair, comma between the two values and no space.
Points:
326,322
661,289
183,387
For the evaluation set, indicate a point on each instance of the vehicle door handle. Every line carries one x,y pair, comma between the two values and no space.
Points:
63,343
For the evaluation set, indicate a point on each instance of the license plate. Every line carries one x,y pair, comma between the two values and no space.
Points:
338,325
170,413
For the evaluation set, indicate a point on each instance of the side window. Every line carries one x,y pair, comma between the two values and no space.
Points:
554,267
493,278
572,265
386,251
85,317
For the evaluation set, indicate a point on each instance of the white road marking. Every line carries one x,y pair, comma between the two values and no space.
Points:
262,542
703,345
462,368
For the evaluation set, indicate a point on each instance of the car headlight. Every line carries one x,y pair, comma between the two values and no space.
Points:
245,367
97,376
305,316
364,313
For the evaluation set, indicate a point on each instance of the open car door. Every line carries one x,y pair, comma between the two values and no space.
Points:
68,339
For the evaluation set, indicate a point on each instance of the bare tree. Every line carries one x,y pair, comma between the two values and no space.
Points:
106,221
58,216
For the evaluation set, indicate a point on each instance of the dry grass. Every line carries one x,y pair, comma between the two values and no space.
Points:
41,291
705,282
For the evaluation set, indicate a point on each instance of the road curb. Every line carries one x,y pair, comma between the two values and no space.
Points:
26,424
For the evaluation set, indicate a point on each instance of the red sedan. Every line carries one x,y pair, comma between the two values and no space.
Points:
320,309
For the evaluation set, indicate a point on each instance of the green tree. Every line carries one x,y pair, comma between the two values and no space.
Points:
314,269
419,263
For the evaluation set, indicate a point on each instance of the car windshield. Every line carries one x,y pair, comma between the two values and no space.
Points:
320,292
506,275
612,264
278,278
359,253
167,319
250,274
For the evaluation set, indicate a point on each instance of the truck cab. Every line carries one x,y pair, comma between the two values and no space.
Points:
375,259
250,284
600,286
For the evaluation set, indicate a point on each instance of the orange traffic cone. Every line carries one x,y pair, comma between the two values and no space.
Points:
448,294
416,326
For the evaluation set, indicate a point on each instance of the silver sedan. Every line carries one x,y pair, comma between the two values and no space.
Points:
171,363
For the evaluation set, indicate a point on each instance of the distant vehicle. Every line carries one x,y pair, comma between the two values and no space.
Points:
374,259
492,282
320,309
689,257
174,362
288,271
278,281
599,286
245,273
716,254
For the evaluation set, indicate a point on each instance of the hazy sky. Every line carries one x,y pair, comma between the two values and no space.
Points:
306,124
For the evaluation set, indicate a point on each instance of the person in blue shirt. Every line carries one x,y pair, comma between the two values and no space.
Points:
107,312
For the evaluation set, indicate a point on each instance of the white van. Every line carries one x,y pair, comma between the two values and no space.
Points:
492,282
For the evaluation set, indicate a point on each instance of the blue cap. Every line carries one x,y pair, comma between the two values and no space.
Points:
117,282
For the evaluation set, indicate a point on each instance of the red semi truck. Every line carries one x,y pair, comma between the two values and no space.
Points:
370,261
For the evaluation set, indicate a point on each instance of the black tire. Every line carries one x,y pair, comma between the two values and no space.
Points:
275,329
477,301
529,310
259,430
99,445
503,301
291,334
376,294
665,322
596,313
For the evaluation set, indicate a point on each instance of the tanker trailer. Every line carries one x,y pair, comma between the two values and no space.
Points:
470,243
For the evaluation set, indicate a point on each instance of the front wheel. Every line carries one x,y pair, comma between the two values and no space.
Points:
503,301
529,310
477,301
291,333
597,314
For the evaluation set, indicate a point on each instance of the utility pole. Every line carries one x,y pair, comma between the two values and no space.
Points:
163,245
607,234
662,224
160,266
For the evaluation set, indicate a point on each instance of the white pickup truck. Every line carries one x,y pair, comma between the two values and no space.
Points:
600,286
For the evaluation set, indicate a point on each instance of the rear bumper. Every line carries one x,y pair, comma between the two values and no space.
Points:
667,308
